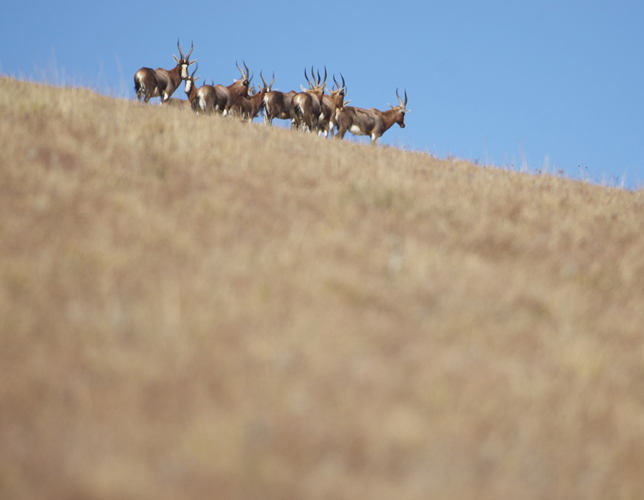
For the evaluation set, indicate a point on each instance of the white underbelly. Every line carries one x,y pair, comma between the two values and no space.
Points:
355,130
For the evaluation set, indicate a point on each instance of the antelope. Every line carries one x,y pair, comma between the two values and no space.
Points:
190,90
305,105
277,105
242,106
330,103
219,98
161,82
247,108
371,122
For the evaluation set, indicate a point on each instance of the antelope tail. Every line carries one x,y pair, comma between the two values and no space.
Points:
299,111
139,86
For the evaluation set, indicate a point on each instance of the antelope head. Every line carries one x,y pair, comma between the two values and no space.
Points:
184,62
267,88
401,109
244,80
337,94
316,87
190,80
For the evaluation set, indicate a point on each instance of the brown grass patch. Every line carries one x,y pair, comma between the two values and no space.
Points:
193,307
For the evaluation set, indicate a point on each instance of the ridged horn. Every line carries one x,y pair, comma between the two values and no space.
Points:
180,51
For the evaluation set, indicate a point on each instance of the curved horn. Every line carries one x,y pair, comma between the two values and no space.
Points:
262,77
272,82
242,71
180,51
343,84
335,81
324,81
399,99
307,79
405,105
247,70
191,48
193,73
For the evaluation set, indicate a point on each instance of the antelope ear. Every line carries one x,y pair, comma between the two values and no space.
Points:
406,111
197,78
347,102
176,58
302,87
192,62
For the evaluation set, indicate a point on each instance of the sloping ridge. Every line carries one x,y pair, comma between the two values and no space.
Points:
193,306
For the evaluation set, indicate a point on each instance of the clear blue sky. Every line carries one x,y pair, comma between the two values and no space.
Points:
501,82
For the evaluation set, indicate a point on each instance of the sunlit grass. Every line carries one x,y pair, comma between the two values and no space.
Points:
194,307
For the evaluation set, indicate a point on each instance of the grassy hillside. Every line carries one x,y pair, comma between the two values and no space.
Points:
193,307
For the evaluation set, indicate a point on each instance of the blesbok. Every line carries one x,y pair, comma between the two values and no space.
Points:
371,122
190,90
219,98
330,103
305,105
277,105
161,82
242,106
247,108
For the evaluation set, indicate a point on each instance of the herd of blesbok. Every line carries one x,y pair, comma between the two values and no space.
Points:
312,110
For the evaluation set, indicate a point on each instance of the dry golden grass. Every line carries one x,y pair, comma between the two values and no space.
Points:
193,307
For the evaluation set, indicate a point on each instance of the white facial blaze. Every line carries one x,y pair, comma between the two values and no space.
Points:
188,86
184,71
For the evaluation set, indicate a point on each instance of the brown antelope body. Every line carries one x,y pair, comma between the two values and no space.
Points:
219,98
330,103
305,105
149,83
247,108
277,105
371,122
